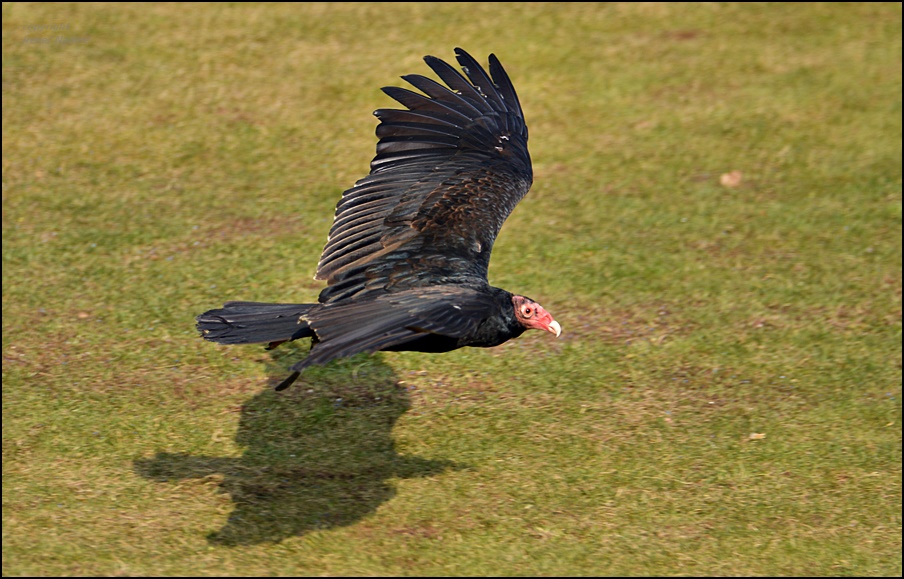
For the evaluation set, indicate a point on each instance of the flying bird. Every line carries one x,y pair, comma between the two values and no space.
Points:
407,255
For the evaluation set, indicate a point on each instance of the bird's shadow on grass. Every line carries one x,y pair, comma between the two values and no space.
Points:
317,456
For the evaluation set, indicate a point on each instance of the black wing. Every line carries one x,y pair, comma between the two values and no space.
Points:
349,327
448,171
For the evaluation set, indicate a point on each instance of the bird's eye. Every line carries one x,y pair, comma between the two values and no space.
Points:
527,311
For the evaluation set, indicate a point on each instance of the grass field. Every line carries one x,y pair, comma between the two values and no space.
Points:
715,221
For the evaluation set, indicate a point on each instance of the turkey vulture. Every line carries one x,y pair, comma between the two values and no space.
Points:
407,255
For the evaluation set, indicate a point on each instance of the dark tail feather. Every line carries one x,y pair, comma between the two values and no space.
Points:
255,322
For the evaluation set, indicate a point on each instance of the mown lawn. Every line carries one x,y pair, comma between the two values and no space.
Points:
715,221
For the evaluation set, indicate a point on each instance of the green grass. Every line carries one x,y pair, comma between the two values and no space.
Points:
725,398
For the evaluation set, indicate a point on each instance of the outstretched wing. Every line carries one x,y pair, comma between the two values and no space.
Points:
448,171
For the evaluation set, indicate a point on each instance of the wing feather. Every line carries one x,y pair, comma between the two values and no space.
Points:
481,81
437,91
448,170
504,84
458,83
458,109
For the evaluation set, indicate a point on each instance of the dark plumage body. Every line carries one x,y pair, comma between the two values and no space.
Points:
407,255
